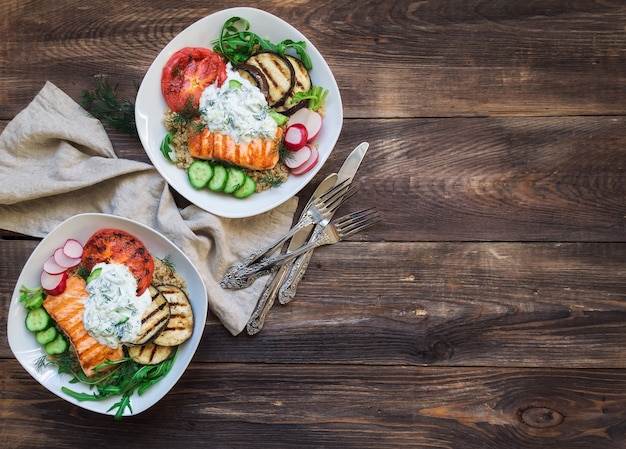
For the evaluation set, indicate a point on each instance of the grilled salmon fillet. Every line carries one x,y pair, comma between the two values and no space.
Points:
260,154
67,310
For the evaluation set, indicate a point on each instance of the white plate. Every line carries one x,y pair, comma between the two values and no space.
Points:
27,351
150,106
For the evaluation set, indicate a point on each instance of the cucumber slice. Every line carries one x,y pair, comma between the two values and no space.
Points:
57,346
46,336
38,320
236,178
219,179
247,189
199,174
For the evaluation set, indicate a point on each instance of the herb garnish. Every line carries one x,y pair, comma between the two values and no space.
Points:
237,45
105,105
169,263
120,378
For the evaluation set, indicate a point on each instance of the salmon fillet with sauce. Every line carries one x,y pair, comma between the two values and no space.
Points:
67,310
260,154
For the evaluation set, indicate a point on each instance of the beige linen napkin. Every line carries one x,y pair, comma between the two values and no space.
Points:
57,161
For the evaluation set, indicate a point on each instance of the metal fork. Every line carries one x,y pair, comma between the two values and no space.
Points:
318,212
335,231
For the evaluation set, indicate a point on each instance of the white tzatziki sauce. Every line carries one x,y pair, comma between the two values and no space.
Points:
113,310
238,109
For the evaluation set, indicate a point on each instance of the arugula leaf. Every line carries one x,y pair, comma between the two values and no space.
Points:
121,380
32,298
316,96
237,45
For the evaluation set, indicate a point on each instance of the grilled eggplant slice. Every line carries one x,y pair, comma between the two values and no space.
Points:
255,76
278,72
155,318
180,325
302,83
150,354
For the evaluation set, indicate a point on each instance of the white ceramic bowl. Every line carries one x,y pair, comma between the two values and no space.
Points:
150,106
27,351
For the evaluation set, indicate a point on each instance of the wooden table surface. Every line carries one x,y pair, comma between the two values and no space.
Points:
488,311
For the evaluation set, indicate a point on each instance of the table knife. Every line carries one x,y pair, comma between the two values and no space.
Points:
287,289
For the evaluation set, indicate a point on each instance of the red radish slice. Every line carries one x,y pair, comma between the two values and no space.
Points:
299,157
53,284
73,249
311,119
50,266
296,136
67,262
309,164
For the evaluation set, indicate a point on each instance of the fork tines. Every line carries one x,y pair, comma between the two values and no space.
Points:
356,221
335,194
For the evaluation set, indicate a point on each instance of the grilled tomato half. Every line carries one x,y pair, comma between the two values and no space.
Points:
117,246
187,73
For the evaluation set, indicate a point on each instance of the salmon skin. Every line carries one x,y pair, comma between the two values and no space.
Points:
260,154
67,310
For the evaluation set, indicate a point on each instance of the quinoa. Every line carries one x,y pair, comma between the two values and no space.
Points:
180,129
164,274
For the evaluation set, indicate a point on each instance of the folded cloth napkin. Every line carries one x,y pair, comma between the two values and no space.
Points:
57,161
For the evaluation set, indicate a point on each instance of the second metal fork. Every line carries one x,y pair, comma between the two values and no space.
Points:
334,232
318,212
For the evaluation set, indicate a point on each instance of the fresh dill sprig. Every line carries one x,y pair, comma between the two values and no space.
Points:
169,263
104,103
272,180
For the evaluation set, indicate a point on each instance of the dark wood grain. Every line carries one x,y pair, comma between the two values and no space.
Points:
381,406
446,58
498,179
481,304
487,311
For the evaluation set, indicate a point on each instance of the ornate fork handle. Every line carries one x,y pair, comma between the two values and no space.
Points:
287,290
246,275
264,253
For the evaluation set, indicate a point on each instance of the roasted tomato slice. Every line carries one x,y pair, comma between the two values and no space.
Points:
187,73
117,246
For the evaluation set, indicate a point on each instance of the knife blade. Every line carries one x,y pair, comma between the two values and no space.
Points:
270,291
288,287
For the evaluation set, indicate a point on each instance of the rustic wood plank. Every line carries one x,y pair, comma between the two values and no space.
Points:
457,58
493,179
245,405
458,304
487,304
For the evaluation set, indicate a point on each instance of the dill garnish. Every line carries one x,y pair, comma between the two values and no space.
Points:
169,263
272,180
104,104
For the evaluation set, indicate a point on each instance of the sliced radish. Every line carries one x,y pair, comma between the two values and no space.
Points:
50,266
53,284
309,164
311,120
64,261
296,136
73,249
298,157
